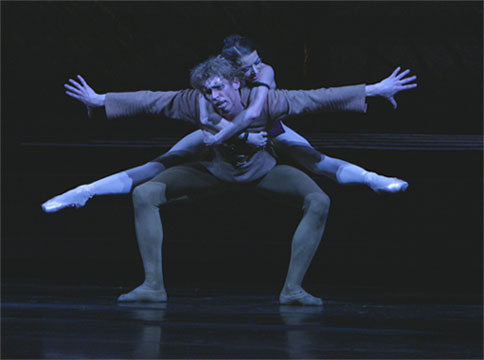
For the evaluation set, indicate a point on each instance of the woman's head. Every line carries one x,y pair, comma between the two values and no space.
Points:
236,46
241,51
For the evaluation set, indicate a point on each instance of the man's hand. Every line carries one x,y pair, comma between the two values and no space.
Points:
392,85
84,93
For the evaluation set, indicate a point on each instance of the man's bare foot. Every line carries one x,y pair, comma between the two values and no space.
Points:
144,293
299,297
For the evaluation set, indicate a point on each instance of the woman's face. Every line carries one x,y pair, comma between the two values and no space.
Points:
250,65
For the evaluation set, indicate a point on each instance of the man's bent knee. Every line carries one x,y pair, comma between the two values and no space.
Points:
150,193
318,204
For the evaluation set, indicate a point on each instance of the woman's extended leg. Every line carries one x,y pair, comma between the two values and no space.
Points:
300,150
123,182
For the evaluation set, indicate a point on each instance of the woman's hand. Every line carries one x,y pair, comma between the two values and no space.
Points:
208,138
258,139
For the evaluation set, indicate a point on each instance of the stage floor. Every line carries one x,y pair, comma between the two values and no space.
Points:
53,321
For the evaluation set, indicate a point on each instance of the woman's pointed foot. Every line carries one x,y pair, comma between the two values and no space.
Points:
383,184
73,198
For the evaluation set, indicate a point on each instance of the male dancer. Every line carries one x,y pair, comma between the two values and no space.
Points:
234,162
260,77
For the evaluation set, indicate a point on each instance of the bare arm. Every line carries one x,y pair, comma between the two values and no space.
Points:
258,96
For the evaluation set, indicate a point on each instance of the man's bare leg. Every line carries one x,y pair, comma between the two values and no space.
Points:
147,198
305,242
149,232
286,180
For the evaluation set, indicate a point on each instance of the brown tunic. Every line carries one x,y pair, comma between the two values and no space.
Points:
235,161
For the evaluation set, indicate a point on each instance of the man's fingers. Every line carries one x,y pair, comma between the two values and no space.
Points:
73,95
407,80
73,89
399,76
76,84
394,103
82,80
395,72
407,87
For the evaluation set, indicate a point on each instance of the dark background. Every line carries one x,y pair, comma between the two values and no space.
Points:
429,238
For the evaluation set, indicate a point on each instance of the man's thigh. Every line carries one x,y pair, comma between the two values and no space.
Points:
186,180
289,183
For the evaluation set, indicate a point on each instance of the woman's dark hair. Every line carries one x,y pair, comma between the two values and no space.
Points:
236,46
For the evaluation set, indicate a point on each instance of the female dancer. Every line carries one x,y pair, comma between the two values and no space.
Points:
260,76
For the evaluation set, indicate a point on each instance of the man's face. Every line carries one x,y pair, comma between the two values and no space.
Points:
223,94
250,65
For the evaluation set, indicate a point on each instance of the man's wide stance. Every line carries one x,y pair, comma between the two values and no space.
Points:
234,162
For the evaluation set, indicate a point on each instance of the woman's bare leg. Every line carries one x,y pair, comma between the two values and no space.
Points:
300,150
123,182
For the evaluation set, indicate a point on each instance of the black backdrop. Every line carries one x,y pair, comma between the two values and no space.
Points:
429,237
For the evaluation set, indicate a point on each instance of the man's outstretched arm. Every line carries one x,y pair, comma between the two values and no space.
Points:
181,105
284,103
392,85
84,93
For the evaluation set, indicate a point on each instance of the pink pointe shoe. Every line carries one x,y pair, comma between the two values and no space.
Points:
73,198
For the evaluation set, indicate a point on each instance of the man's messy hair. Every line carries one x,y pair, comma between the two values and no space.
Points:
214,66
